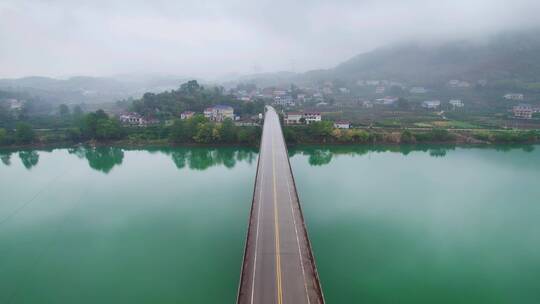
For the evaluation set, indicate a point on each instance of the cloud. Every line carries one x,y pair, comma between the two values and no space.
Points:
213,37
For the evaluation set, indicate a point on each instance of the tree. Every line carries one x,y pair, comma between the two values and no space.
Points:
190,87
63,110
89,125
403,103
77,112
228,131
24,133
98,125
321,129
179,132
407,137
3,136
396,90
205,133
192,125
107,128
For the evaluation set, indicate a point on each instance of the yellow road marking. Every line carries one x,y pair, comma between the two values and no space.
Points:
276,227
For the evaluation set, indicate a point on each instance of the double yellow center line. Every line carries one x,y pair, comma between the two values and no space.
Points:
276,230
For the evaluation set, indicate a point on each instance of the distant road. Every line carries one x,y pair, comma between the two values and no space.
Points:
278,264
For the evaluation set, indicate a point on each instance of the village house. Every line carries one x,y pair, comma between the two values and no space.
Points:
458,84
285,100
387,101
15,104
295,118
524,111
279,93
327,91
380,90
418,90
367,104
321,104
342,124
431,104
513,96
312,117
372,82
186,115
135,119
456,103
219,113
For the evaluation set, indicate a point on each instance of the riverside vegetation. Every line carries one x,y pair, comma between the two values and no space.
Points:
98,127
71,126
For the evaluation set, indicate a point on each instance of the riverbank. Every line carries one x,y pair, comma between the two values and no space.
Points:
328,135
295,136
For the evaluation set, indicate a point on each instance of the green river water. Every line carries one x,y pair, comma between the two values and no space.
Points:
387,225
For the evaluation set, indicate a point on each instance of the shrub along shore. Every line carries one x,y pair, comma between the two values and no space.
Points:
98,128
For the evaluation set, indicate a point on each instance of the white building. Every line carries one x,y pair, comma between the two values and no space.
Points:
342,124
431,104
133,119
524,111
458,84
380,90
186,115
15,104
312,117
286,100
327,90
279,93
456,103
293,118
387,101
367,104
513,96
372,82
418,90
219,113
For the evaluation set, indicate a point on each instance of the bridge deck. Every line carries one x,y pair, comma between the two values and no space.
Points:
278,263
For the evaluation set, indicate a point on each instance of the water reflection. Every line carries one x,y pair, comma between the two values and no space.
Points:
437,152
323,155
320,157
29,158
204,158
101,158
105,158
5,157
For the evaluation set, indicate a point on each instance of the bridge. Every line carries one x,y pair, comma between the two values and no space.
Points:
278,264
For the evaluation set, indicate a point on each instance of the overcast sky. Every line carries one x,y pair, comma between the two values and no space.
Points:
217,37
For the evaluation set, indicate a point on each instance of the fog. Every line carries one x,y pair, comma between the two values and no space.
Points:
214,38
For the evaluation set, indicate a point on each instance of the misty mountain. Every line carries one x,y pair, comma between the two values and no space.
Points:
510,56
83,89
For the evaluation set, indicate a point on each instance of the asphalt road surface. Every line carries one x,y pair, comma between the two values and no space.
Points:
278,262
